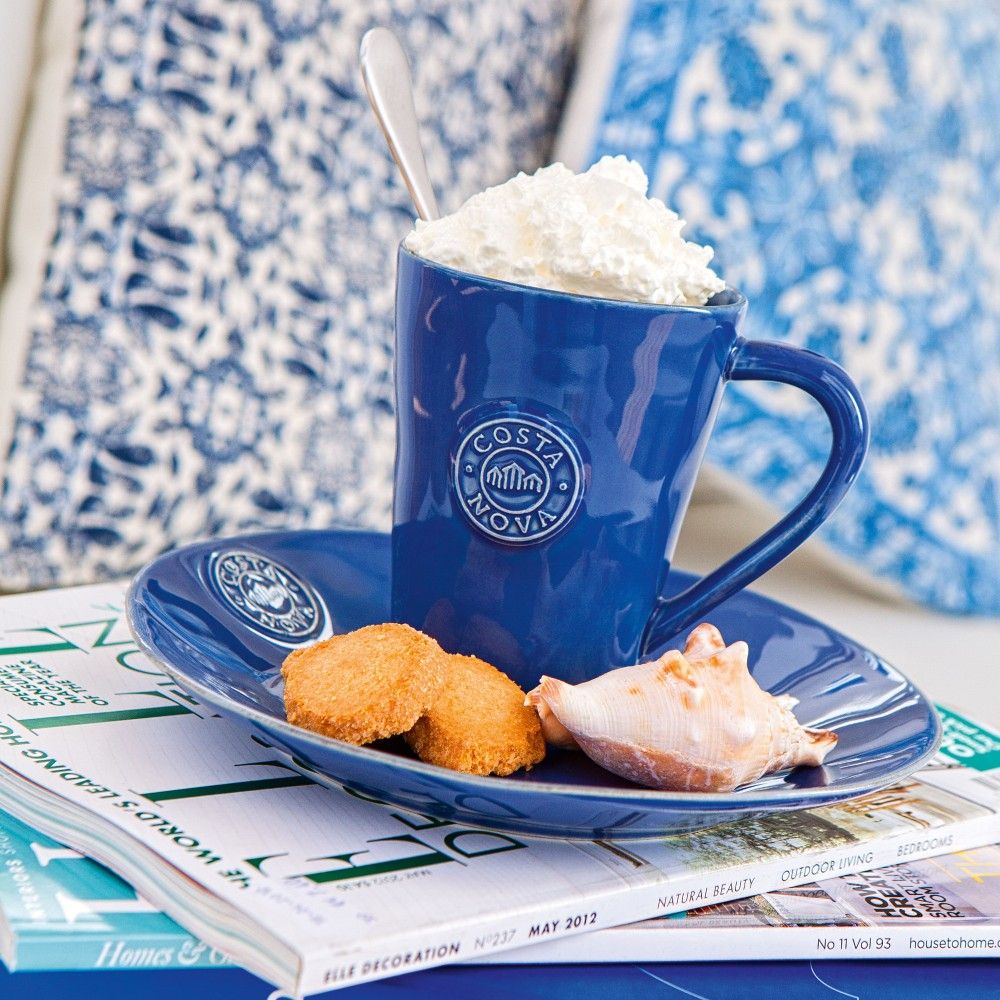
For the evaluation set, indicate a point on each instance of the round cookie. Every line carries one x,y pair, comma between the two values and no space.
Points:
478,723
364,685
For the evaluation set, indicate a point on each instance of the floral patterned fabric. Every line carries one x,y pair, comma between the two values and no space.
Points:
844,161
210,351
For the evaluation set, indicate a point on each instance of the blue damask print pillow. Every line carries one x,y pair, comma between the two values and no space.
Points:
844,160
207,348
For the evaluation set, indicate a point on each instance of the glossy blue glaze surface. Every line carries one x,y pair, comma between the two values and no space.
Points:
229,660
525,579
887,979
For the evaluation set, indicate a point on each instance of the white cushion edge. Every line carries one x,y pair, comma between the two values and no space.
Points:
18,30
739,514
33,203
597,57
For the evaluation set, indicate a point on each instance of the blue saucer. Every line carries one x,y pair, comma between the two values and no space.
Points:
221,616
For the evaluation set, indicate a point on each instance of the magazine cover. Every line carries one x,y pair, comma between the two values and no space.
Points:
314,887
61,910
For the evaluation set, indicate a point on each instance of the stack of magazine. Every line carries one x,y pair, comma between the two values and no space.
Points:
141,832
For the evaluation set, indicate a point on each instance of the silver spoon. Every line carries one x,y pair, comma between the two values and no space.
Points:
386,76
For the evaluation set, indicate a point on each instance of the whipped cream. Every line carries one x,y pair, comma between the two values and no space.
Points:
594,233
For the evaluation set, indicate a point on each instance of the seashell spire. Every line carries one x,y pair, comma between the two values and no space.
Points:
691,721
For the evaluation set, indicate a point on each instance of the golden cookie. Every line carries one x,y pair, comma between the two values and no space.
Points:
478,723
364,685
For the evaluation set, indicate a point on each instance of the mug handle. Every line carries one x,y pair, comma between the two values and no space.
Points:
834,389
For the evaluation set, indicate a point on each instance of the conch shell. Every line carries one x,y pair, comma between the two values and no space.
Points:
691,721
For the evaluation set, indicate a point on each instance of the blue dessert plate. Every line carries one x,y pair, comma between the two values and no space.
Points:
220,617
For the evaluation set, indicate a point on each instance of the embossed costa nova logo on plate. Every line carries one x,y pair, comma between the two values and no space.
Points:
269,597
518,478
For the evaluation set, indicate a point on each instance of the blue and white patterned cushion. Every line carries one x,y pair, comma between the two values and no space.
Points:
210,350
844,160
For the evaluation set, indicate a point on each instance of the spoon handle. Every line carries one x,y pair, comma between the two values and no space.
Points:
386,76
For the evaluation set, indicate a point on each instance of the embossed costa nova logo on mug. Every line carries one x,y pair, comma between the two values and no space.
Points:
518,478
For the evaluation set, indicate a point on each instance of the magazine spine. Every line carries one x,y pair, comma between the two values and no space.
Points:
741,944
407,953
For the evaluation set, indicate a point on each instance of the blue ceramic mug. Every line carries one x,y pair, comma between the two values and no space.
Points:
547,446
